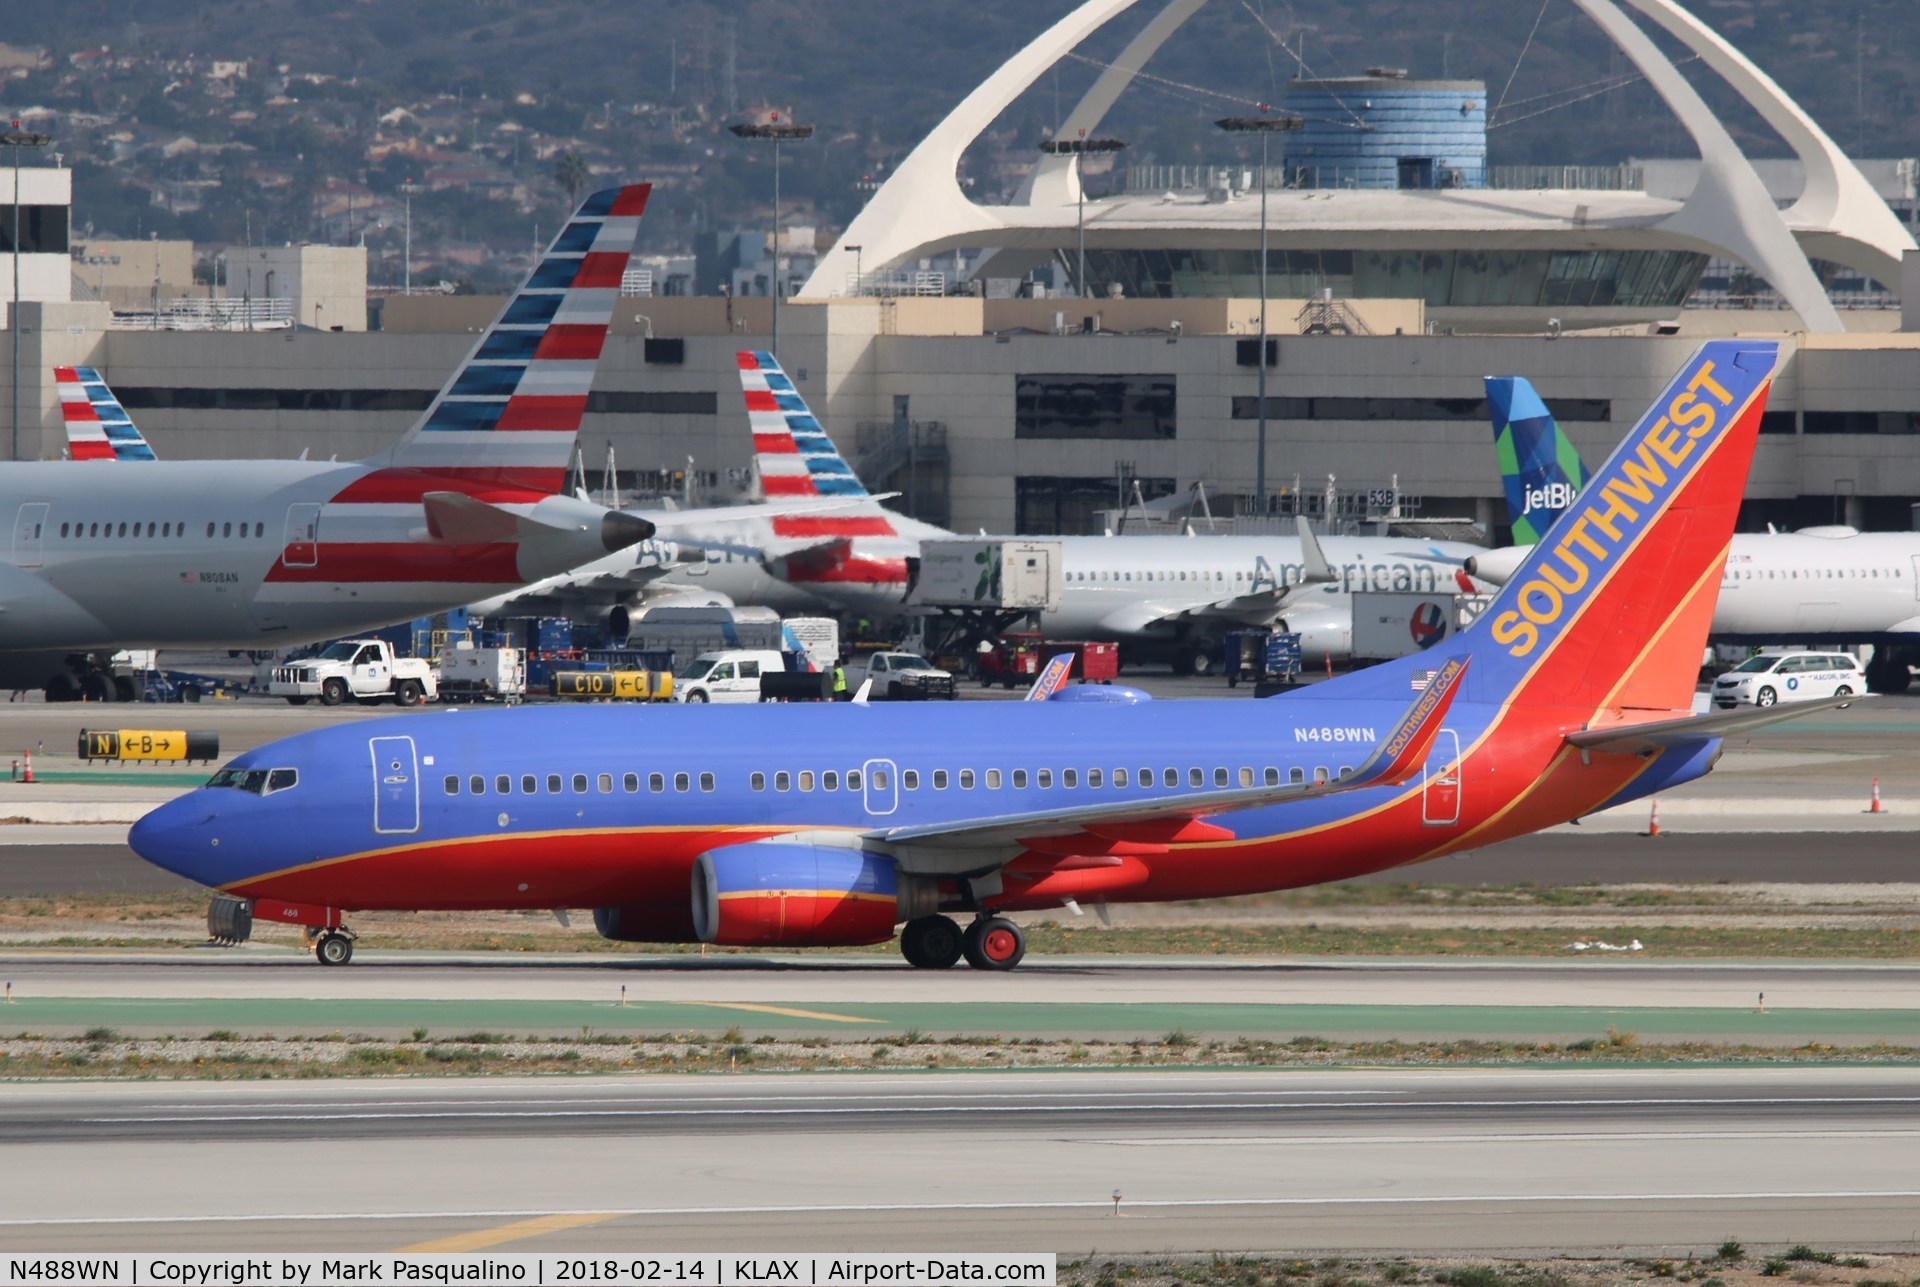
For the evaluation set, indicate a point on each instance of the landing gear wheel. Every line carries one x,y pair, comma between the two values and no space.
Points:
1765,697
124,690
931,943
408,692
333,692
96,687
994,943
334,948
61,688
1202,654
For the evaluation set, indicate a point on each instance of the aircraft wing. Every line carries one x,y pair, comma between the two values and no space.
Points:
980,843
1643,738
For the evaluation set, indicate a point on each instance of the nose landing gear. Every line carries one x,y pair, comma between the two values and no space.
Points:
331,946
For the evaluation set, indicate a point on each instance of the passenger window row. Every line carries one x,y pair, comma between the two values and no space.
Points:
578,783
166,531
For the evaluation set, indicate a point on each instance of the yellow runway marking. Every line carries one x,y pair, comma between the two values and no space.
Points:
481,1238
791,1014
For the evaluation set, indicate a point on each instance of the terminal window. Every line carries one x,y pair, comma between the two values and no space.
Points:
1094,406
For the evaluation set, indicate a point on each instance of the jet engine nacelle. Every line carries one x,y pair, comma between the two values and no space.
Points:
793,894
1498,566
1323,631
619,623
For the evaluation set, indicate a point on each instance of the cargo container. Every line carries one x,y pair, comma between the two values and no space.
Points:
1008,576
1400,623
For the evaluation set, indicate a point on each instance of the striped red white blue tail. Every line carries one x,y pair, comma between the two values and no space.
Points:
510,414
98,427
793,452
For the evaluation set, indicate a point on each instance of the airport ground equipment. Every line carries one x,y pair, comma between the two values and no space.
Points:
1401,623
1001,575
482,674
149,744
364,669
797,686
1261,657
904,677
1017,657
727,675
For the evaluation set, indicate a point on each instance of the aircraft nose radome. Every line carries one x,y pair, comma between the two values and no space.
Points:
619,530
164,837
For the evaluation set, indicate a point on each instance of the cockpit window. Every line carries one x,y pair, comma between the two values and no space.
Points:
256,781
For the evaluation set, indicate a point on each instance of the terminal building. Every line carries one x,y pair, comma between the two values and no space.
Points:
1404,264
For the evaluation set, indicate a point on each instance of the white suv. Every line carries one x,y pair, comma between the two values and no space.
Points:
1789,677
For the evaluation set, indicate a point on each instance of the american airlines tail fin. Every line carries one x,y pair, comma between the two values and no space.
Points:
1538,463
509,416
98,427
1611,610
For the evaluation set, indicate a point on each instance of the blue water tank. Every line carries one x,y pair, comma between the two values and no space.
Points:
1385,131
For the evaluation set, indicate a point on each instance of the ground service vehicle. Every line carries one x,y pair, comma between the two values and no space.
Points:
1261,657
365,669
808,825
1789,677
903,677
474,674
731,675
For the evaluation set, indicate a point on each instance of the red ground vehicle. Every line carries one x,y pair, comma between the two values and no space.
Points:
1017,658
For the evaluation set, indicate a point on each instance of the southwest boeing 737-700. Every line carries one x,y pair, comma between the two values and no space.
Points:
805,825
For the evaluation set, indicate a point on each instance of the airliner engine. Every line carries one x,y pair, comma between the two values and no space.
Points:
1324,631
777,892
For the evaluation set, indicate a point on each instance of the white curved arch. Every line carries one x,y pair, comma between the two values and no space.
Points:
1729,209
1837,198
1055,181
923,193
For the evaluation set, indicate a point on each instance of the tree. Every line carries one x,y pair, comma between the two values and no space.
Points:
570,172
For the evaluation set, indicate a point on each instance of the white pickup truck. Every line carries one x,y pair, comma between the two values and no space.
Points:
904,677
365,669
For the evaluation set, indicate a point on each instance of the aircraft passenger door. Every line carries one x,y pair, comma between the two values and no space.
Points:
881,782
302,548
29,531
396,786
1440,782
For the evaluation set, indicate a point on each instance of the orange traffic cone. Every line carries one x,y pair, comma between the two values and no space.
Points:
1653,821
26,774
1875,807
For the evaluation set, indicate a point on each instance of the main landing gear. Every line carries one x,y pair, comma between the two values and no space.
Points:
937,943
331,947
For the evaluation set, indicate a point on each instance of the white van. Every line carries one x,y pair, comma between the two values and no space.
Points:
732,675
1789,677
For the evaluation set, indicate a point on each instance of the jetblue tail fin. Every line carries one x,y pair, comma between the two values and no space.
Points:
1612,609
510,414
1538,464
98,427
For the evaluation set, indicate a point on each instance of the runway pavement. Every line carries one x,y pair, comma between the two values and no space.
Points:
1480,1162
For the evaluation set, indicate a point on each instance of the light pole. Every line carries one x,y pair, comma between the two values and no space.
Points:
407,189
1078,148
1266,127
17,138
778,130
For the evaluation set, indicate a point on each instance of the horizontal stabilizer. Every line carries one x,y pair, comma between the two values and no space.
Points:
1692,728
458,519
